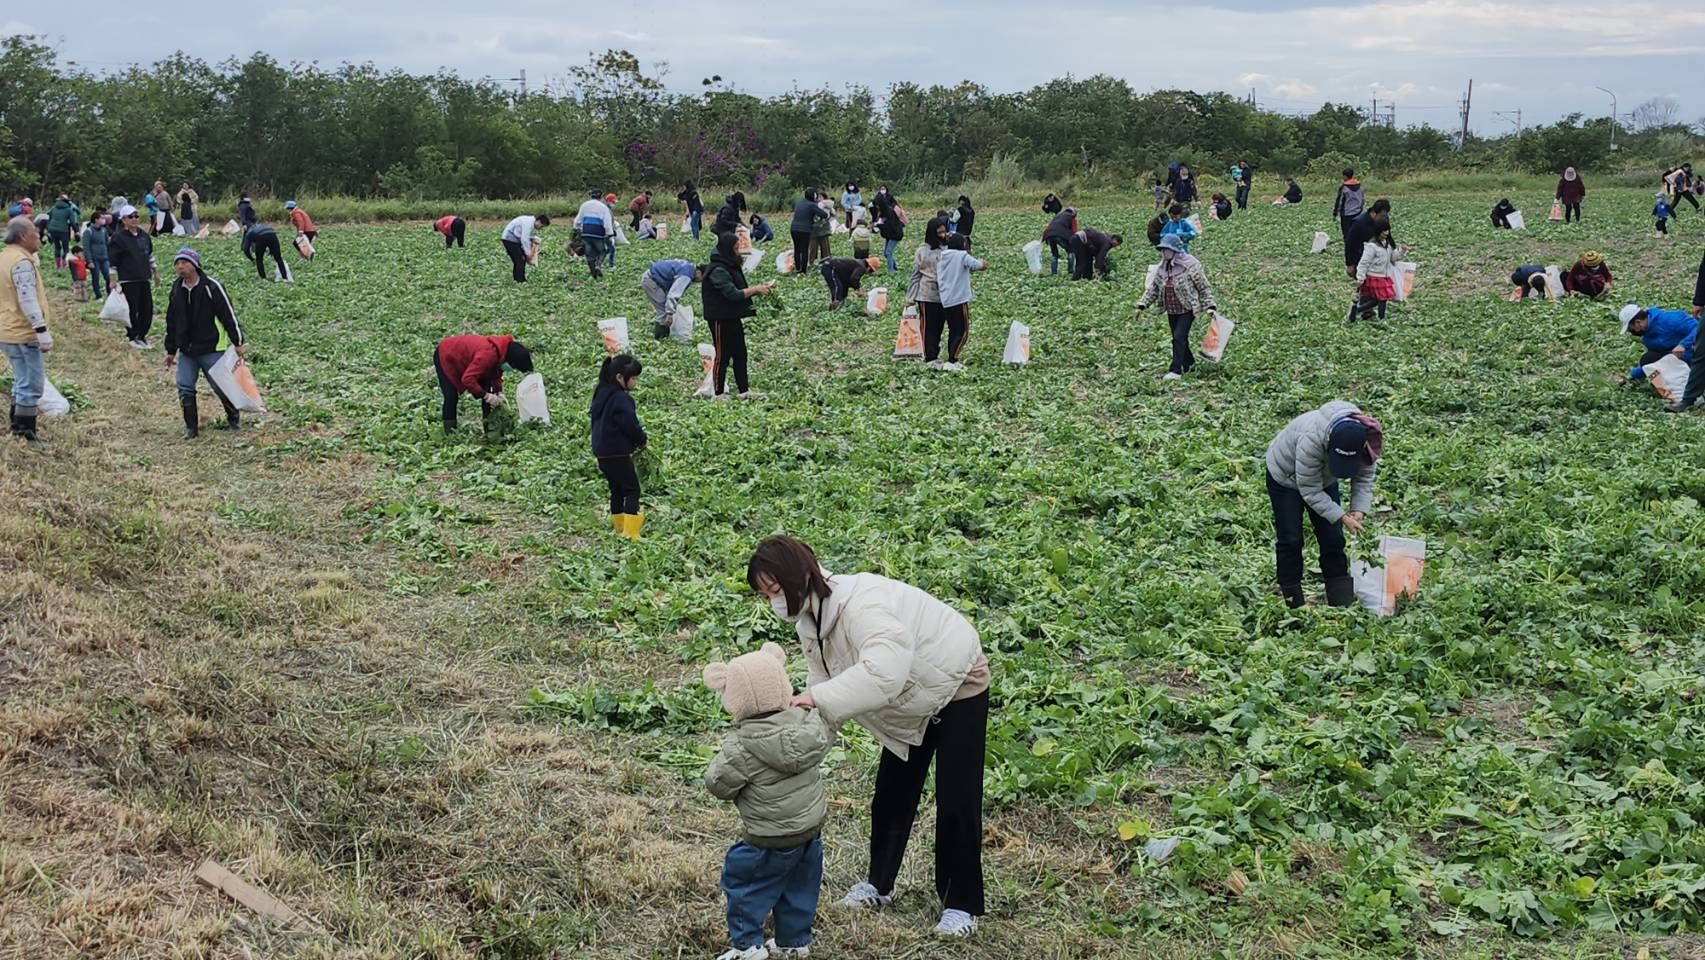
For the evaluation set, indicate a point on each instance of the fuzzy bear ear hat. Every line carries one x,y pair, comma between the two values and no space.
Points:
752,683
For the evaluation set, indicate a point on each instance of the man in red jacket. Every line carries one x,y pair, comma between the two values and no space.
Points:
475,363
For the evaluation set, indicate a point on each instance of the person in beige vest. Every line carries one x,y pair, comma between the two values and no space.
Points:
23,322
911,670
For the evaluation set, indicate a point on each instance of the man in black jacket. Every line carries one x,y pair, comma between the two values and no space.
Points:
1365,228
1090,248
1058,235
196,309
131,253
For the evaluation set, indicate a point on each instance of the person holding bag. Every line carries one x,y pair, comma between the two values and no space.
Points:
911,670
196,309
1181,287
1305,463
1571,190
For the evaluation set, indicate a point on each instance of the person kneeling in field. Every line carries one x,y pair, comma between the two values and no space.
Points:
770,766
843,275
1662,331
1501,213
195,310
616,437
1529,281
1305,463
664,283
1589,277
474,363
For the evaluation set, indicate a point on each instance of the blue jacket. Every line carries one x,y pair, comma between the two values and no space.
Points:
95,242
664,273
850,200
762,232
615,423
1661,211
1182,228
1666,330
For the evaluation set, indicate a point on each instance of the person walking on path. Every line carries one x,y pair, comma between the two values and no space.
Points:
24,336
472,363
196,309
1181,287
519,242
61,220
1348,206
1571,190
454,229
259,241
689,195
1305,463
616,437
189,209
132,254
727,302
911,671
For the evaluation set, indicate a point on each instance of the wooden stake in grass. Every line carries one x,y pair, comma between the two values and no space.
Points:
213,875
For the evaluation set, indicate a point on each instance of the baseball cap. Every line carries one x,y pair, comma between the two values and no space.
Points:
1344,447
126,211
1629,312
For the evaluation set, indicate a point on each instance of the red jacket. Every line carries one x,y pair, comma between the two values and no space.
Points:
474,362
442,224
303,222
1571,191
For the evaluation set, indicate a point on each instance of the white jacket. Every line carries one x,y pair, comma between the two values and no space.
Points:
890,657
1376,262
520,230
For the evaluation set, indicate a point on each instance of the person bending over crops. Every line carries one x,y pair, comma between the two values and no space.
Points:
664,284
1293,192
1529,281
473,363
1222,207
520,244
843,275
640,208
728,218
1051,204
910,670
762,232
1181,287
727,302
1662,332
1589,277
304,224
454,229
1305,463
1090,247
260,240
616,437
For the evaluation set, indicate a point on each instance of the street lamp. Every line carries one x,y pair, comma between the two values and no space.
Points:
1612,118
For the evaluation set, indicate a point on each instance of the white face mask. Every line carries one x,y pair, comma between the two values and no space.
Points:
778,603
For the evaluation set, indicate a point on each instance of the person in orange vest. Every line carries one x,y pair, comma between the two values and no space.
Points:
304,223
453,228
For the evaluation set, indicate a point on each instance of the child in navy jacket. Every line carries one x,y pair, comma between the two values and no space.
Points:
1661,214
616,436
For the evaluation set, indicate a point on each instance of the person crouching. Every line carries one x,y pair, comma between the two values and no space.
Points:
474,363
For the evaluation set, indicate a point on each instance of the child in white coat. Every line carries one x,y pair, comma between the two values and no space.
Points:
1374,286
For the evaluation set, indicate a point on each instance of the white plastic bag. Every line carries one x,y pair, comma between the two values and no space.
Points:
1320,242
1668,376
615,334
116,309
1516,221
754,258
1033,255
52,402
159,220
909,342
662,230
1195,221
530,401
1017,344
1403,278
178,229
1379,588
681,326
1554,282
707,363
621,236
202,233
230,229
234,380
837,227
686,228
784,261
1219,331
304,246
876,302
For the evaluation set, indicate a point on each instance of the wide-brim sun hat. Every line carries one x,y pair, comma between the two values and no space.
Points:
1171,242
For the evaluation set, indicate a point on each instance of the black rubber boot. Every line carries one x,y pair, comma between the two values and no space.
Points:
1341,591
25,426
233,420
192,418
1293,594
449,427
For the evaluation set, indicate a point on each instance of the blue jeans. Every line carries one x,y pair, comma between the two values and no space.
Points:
28,377
888,253
98,274
191,365
695,220
759,881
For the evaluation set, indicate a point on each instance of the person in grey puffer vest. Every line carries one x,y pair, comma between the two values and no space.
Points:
1305,462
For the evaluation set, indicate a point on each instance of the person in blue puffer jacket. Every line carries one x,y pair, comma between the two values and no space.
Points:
1662,331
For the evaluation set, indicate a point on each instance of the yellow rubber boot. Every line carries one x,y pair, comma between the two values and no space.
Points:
635,522
619,523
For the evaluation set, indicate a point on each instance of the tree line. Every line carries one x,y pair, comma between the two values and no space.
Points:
277,129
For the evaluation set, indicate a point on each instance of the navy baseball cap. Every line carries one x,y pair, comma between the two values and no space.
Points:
1344,448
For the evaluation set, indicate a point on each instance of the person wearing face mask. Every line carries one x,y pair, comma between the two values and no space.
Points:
1181,287
474,363
616,437
911,670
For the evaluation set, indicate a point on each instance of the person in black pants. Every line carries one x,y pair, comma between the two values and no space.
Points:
843,275
616,437
474,363
131,252
1058,237
805,215
1305,464
1696,372
260,240
1245,180
1089,249
727,302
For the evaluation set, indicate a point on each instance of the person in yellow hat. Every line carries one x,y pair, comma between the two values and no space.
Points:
1589,277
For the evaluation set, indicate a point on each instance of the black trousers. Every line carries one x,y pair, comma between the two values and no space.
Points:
956,319
1182,358
623,479
837,289
1243,196
1083,267
260,247
1695,378
729,337
1663,226
802,247
517,258
139,294
452,392
1344,226
1288,508
1685,195
1571,209
954,740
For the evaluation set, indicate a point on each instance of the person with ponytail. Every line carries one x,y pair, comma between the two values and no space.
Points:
727,302
616,437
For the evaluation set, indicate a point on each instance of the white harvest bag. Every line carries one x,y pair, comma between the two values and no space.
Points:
1516,221
681,326
1017,344
530,401
615,334
231,375
1033,255
1379,588
1320,242
1403,278
230,229
116,309
909,342
1219,331
784,261
1668,376
707,363
753,259
52,402
876,302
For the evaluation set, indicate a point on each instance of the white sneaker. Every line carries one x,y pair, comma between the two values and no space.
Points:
955,923
778,951
953,367
935,365
750,953
863,896
1173,376
753,395
140,344
721,396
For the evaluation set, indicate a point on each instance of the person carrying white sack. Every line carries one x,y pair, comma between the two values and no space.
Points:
196,309
1181,287
1305,463
664,284
911,670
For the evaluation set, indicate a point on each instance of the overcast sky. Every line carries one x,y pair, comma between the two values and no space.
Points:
1544,60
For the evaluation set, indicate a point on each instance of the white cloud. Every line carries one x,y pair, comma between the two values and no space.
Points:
1295,89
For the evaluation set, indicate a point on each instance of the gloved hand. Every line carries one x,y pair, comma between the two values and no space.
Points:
44,340
493,399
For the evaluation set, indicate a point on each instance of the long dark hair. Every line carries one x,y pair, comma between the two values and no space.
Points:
793,566
930,238
620,366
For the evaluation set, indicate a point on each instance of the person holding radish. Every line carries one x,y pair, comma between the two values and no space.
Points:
1305,463
474,363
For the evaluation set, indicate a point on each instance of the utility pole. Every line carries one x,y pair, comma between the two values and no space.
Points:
1373,114
1613,120
1467,100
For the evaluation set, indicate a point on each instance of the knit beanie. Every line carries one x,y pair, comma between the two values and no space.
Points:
752,683
1591,259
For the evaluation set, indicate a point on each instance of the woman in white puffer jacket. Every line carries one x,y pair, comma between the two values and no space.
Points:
911,670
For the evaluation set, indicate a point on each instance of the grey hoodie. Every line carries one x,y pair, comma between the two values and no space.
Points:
769,766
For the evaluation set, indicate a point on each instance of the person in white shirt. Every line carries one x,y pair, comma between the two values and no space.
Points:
597,232
518,241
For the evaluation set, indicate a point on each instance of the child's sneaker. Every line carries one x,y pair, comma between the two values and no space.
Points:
1173,375
863,896
750,953
955,923
780,951
953,366
935,365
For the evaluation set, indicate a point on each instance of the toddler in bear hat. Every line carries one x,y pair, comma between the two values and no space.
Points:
769,766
